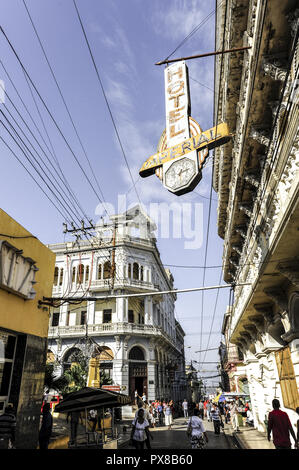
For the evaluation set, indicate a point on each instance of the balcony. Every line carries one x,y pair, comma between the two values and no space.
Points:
109,329
104,284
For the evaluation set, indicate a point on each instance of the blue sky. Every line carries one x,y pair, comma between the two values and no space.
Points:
127,38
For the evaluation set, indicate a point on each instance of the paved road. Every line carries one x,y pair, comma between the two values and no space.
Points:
176,438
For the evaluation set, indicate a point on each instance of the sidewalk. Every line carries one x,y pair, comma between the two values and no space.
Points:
250,438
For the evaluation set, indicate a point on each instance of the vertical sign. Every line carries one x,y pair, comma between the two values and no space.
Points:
177,103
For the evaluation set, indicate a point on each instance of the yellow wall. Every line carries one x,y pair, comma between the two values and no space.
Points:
16,313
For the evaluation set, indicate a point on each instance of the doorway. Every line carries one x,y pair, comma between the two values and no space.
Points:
138,379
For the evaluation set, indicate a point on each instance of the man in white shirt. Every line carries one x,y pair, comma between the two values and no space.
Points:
185,408
234,416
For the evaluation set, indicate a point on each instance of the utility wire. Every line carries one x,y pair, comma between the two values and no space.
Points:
66,106
37,171
21,163
46,173
194,30
50,114
211,188
41,136
106,100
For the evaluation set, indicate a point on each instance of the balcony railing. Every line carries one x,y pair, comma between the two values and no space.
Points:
109,329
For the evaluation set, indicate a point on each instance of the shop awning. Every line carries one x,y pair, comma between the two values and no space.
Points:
90,397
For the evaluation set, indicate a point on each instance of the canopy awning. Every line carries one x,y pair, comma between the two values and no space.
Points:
90,397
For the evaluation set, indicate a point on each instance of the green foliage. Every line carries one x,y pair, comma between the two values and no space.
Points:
76,378
105,379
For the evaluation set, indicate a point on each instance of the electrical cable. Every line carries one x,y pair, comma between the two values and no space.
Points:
69,210
20,161
106,100
194,31
66,106
211,188
37,128
50,114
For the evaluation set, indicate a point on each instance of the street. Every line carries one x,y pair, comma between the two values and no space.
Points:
176,438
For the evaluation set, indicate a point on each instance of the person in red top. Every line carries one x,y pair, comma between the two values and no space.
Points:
280,426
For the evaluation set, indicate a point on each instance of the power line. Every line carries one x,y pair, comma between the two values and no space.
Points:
211,188
50,114
65,104
63,216
194,30
41,136
106,100
70,209
40,175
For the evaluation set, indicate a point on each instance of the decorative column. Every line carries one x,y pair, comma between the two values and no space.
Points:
148,311
122,309
63,315
91,306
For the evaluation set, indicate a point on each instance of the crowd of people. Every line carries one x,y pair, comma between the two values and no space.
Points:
162,413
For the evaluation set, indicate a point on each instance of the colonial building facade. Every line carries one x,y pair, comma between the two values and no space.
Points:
257,179
140,344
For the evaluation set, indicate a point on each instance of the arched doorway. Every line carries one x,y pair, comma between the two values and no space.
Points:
137,372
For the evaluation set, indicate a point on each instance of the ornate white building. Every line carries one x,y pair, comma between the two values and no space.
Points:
257,179
141,343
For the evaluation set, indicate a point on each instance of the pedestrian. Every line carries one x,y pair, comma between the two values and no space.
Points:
140,431
168,416
205,408
185,408
227,412
46,427
152,414
249,417
93,418
208,408
216,418
280,426
234,416
7,428
136,397
75,416
161,414
196,430
143,397
201,409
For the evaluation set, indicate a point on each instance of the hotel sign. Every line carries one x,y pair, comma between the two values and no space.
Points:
207,139
183,147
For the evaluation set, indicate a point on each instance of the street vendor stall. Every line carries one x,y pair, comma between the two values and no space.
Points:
104,434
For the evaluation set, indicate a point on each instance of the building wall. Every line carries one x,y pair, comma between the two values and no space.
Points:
27,322
257,179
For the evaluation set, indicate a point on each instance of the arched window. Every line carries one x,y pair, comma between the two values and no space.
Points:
86,273
107,270
56,276
73,356
61,277
141,273
129,271
80,273
136,354
74,275
135,271
100,271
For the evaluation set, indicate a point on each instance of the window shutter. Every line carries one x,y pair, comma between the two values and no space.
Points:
287,378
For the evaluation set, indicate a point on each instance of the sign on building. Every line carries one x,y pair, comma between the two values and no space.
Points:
183,147
17,273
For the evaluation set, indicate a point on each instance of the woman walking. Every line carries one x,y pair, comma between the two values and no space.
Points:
168,416
196,431
140,430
